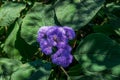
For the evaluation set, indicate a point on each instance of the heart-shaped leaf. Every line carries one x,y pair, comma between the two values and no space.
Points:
98,52
77,13
7,67
36,70
9,12
11,69
39,15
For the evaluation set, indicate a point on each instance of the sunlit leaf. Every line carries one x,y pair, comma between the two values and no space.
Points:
39,15
77,13
97,52
7,67
9,12
11,69
9,46
37,70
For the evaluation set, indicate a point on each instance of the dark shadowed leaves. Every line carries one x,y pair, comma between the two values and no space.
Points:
9,46
114,23
75,72
15,47
114,8
105,29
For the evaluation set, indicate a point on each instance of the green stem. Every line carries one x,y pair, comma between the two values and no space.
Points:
65,73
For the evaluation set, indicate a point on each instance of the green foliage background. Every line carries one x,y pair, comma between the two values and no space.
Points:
96,48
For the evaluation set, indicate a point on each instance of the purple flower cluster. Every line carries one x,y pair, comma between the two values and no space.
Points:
50,37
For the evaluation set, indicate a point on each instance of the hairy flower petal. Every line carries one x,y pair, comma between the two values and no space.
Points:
64,45
62,57
69,32
47,50
56,35
42,33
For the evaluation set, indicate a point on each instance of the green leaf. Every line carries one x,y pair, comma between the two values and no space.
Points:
105,29
77,13
116,70
9,12
113,15
114,60
84,77
114,23
37,70
97,52
1,30
15,47
114,8
43,70
7,67
75,72
98,77
23,72
11,69
39,15
9,46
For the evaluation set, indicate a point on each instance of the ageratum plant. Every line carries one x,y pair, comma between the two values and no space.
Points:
54,40
59,39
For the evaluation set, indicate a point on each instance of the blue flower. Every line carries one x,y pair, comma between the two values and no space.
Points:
45,46
62,57
42,33
47,50
65,46
69,32
56,37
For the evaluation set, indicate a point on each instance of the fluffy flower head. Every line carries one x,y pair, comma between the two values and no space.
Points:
50,37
